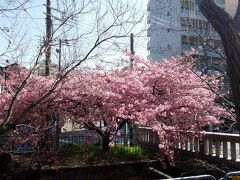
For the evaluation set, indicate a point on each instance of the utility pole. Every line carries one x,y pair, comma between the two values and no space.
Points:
57,125
132,49
59,51
47,50
130,124
48,39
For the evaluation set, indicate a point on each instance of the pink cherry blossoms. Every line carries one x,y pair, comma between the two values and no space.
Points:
166,96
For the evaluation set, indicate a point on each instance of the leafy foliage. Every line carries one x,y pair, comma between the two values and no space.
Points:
93,153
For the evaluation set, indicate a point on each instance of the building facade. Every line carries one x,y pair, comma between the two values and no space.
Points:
177,25
40,68
3,72
231,6
3,75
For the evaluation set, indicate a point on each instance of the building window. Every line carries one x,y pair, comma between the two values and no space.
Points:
184,39
220,1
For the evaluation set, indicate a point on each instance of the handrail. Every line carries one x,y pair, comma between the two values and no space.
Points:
231,174
159,173
200,177
220,145
223,136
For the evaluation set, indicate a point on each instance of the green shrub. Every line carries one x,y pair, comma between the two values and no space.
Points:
94,151
70,148
127,151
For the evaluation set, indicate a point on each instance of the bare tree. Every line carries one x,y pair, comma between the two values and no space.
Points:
107,21
13,42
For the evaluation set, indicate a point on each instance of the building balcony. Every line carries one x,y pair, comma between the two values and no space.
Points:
149,45
149,19
148,33
151,5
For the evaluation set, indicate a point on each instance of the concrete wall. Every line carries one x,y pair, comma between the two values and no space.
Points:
164,21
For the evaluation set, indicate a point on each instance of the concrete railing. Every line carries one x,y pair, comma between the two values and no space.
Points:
220,145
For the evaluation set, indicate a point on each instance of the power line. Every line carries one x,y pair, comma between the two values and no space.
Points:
30,16
20,17
132,7
32,7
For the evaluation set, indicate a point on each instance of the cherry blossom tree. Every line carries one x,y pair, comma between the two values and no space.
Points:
107,22
167,96
103,31
34,89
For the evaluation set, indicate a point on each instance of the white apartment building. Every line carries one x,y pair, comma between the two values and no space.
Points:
231,6
175,26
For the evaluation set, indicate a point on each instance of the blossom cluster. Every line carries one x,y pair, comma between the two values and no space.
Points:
167,96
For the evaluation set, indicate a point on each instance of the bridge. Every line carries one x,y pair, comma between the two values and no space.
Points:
213,147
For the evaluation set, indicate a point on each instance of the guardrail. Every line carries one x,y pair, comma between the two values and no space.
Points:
232,175
228,176
200,177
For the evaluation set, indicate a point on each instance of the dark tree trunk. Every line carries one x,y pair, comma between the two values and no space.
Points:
105,135
105,143
6,161
58,131
228,29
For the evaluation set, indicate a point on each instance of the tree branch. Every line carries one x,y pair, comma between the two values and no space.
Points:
227,28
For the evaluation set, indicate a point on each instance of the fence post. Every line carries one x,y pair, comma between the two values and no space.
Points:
225,149
218,148
191,144
196,145
210,147
233,151
201,147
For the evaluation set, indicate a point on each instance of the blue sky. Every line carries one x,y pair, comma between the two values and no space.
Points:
29,28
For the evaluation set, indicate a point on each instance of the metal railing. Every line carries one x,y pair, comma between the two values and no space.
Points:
200,177
232,175
228,176
139,138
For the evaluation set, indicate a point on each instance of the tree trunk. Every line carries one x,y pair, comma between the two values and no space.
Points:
58,131
105,143
6,161
228,30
